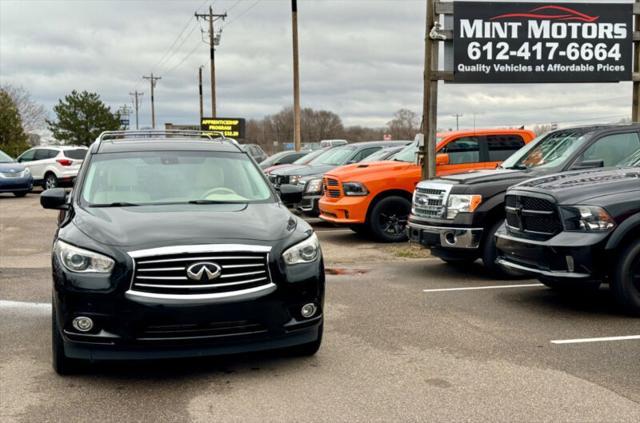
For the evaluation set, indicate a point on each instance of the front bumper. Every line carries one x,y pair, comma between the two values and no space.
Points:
441,237
16,184
345,210
309,205
566,256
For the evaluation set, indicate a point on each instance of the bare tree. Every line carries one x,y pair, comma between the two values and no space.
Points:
33,114
404,125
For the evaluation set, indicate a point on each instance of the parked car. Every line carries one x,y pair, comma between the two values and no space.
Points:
375,198
574,230
255,151
457,216
14,177
283,157
333,143
179,247
382,155
304,160
307,180
53,166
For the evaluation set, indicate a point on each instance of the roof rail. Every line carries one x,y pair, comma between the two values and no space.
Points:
163,133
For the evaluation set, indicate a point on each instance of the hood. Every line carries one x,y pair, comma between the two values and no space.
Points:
157,226
376,170
11,167
571,187
306,170
272,169
488,176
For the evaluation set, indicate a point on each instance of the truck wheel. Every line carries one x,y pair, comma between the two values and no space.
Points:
626,279
388,219
490,254
62,364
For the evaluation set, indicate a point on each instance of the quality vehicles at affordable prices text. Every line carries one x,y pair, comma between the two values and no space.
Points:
457,216
175,245
577,229
376,197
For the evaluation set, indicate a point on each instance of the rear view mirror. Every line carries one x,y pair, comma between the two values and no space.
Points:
588,164
442,159
55,198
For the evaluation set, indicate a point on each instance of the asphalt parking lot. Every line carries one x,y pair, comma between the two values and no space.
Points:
407,338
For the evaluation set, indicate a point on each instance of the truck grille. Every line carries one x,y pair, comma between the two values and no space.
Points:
429,202
532,215
331,187
209,330
167,274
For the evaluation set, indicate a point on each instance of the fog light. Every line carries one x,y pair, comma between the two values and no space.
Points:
82,324
308,310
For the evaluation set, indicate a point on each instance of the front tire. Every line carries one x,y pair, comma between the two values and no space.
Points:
490,254
62,364
50,181
388,219
626,279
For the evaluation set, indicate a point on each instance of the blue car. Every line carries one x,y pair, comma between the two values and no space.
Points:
14,177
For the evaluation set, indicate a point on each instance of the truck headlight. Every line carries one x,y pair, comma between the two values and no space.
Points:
293,180
78,260
354,189
303,252
587,219
314,186
462,204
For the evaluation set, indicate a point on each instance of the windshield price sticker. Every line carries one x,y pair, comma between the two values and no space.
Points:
542,42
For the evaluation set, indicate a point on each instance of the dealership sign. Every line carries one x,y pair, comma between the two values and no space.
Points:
230,127
542,42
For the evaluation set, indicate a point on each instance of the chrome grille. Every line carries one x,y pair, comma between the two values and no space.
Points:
167,273
16,174
532,215
429,202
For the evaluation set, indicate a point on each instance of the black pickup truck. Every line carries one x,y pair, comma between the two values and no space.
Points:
575,230
457,216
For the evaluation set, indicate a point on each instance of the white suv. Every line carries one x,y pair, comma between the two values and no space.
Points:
53,166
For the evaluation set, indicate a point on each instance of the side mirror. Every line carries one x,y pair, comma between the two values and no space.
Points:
588,164
290,194
55,198
442,159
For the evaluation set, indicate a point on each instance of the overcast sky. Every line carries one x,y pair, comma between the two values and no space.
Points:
362,59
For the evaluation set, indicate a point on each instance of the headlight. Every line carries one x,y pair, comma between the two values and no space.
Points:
354,189
462,204
314,186
293,180
78,260
303,252
587,219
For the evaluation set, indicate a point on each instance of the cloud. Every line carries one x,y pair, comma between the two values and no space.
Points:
361,59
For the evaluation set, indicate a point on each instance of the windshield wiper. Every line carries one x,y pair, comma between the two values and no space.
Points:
215,202
115,204
517,167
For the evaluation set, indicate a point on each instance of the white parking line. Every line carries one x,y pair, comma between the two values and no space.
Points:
603,339
6,304
475,288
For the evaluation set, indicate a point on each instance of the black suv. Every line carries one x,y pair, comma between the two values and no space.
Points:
457,216
304,183
577,229
174,244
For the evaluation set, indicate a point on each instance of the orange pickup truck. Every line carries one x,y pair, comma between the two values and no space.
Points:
375,198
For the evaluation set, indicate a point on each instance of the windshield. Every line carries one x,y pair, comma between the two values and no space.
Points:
4,158
163,177
546,151
335,156
309,157
633,160
272,159
408,154
380,155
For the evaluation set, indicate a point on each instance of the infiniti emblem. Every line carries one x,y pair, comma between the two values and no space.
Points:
204,271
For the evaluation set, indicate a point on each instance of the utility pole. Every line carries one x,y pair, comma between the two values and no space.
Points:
458,116
152,80
213,41
430,97
635,115
135,95
296,78
200,91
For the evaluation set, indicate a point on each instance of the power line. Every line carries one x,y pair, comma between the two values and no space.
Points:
182,61
241,14
211,18
180,46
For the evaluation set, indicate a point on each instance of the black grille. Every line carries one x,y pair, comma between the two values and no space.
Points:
332,182
333,193
331,187
532,215
165,332
167,274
